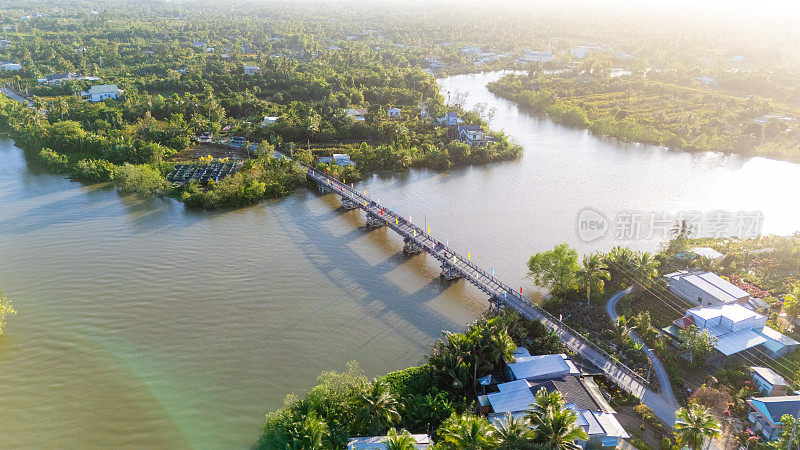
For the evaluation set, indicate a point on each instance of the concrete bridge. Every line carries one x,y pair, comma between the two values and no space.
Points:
454,266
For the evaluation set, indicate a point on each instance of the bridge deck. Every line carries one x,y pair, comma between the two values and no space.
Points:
623,376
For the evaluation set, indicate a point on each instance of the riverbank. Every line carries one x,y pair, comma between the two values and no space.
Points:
139,166
635,109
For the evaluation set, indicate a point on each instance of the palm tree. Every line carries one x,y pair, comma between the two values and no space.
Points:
592,274
377,409
558,430
695,423
646,268
308,434
468,432
791,304
544,402
514,434
501,348
620,263
399,441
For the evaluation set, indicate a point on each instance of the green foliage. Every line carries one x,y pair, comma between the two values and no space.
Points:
694,425
142,179
698,342
555,269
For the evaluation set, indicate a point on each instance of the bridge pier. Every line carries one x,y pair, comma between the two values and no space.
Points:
375,221
348,205
496,303
411,247
450,272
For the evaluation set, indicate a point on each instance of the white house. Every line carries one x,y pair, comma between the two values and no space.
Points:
393,112
472,50
102,92
340,159
358,114
472,135
269,120
769,382
766,412
539,56
736,329
251,70
541,367
705,288
379,442
706,80
579,52
10,66
450,119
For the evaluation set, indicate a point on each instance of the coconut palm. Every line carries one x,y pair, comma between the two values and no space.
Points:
592,274
308,434
399,441
514,433
377,409
694,424
558,430
544,402
645,269
620,262
501,348
467,432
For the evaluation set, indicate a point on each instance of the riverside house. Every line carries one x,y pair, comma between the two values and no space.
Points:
102,92
766,412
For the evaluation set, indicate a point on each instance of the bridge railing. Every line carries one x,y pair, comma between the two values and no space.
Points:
479,272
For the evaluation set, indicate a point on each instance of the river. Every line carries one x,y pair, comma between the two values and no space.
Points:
144,324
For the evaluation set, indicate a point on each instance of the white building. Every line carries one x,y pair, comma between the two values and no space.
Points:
706,80
102,92
358,114
10,66
450,119
579,52
251,70
705,288
769,382
393,112
541,367
737,329
473,50
340,159
379,442
538,56
269,120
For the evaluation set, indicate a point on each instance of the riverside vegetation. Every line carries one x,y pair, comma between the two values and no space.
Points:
646,109
176,85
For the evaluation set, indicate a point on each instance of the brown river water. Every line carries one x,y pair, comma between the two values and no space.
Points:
142,323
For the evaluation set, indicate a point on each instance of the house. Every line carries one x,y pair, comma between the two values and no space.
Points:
251,70
379,442
58,78
766,412
10,66
581,395
393,112
358,114
538,55
472,50
769,382
707,252
4,43
705,288
736,329
541,367
579,52
237,141
706,80
472,135
102,92
199,44
450,119
340,159
434,63
269,120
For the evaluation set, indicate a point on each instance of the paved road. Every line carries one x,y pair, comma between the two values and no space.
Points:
14,96
664,404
